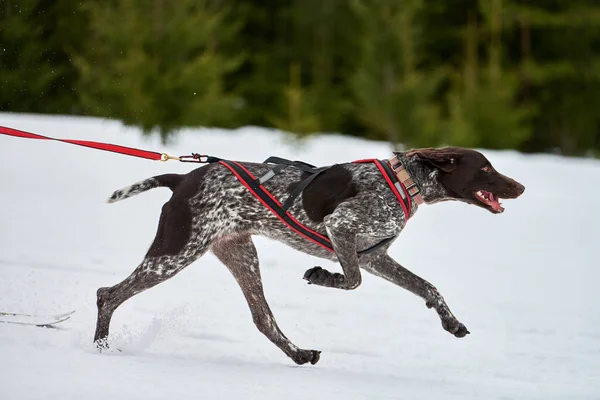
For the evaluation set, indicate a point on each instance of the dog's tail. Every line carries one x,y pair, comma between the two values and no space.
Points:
169,180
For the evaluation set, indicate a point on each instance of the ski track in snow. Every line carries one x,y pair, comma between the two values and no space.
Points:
523,282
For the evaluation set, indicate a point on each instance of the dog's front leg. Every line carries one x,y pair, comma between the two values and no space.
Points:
349,219
386,267
344,243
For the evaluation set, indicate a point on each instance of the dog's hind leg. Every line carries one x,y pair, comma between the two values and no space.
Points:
173,249
238,253
149,273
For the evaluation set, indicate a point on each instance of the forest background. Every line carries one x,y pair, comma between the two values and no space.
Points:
497,74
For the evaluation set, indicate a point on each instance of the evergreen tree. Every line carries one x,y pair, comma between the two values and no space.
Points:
488,73
159,64
393,97
562,68
301,114
301,63
483,109
35,70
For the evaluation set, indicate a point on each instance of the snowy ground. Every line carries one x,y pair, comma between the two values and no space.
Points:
524,283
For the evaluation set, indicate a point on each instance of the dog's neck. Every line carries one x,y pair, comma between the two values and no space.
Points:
426,177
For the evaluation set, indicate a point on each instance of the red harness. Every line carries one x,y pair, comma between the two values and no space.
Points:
255,186
394,183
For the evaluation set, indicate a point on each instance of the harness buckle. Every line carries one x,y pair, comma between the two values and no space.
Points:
413,185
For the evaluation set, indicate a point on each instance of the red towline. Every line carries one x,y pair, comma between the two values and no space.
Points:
114,148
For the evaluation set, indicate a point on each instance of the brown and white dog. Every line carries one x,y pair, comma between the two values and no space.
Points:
352,205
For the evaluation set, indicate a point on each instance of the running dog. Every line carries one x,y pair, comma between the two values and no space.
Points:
350,213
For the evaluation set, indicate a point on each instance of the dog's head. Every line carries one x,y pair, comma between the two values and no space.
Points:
467,176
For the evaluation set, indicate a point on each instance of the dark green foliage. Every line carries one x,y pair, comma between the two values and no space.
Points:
516,74
36,41
159,64
393,97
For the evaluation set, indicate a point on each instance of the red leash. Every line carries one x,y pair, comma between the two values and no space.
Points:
130,151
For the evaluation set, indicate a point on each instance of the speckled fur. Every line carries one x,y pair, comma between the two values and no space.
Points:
223,215
132,190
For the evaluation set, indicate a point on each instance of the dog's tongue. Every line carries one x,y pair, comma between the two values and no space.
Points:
493,201
495,204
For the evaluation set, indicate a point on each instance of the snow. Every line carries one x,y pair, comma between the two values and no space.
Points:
524,283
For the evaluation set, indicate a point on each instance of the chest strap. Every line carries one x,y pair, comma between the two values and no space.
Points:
395,185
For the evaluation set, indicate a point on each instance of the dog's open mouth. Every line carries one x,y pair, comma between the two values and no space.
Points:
490,200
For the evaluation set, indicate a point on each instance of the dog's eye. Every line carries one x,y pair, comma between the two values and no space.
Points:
487,168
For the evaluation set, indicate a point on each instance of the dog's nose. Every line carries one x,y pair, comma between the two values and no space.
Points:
520,188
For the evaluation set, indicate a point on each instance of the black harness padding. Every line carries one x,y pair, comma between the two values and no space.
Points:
306,167
281,164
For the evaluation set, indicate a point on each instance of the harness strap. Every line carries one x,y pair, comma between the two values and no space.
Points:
300,188
376,246
255,187
271,173
306,167
395,185
267,199
282,163
406,180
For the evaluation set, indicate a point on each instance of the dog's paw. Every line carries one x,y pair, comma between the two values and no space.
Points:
455,327
102,345
318,276
305,356
311,273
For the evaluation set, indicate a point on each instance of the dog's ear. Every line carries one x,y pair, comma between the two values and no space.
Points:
444,159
